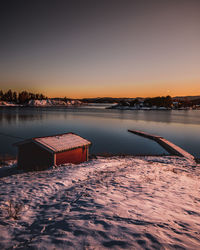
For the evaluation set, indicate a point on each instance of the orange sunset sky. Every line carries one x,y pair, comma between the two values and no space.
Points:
101,48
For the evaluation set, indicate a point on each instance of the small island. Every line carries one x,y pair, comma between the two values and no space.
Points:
28,99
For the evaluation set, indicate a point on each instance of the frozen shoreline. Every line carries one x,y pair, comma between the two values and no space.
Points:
120,202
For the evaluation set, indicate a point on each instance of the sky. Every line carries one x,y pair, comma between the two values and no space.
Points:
116,48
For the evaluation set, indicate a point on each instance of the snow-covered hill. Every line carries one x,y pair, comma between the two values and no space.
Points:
132,203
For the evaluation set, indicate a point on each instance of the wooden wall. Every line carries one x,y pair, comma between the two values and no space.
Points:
32,156
75,156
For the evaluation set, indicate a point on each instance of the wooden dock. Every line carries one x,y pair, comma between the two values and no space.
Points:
169,146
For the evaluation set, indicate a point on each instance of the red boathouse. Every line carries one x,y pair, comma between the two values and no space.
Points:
43,152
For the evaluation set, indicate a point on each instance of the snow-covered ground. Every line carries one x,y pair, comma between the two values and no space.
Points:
132,203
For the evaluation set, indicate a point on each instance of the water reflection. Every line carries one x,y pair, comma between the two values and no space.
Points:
15,115
107,129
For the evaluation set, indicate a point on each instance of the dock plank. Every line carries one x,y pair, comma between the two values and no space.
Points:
169,146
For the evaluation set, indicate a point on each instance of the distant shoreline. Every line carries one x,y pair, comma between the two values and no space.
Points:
151,109
124,108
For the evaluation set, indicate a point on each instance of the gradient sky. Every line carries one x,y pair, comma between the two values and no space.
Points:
119,48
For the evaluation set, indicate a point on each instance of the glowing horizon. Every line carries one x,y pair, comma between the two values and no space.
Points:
111,93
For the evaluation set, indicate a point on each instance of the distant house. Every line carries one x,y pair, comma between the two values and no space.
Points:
43,152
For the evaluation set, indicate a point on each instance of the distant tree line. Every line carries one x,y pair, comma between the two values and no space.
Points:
21,97
159,101
150,102
187,103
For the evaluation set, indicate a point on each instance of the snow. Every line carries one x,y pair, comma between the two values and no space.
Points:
51,102
62,142
40,103
4,103
119,202
43,103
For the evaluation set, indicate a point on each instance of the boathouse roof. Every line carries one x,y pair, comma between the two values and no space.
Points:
59,143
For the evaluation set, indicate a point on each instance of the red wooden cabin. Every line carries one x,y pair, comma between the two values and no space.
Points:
43,152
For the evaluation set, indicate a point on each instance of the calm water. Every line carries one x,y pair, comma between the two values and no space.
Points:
106,129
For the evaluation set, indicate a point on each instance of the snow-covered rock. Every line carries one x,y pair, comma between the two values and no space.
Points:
52,102
3,103
36,103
